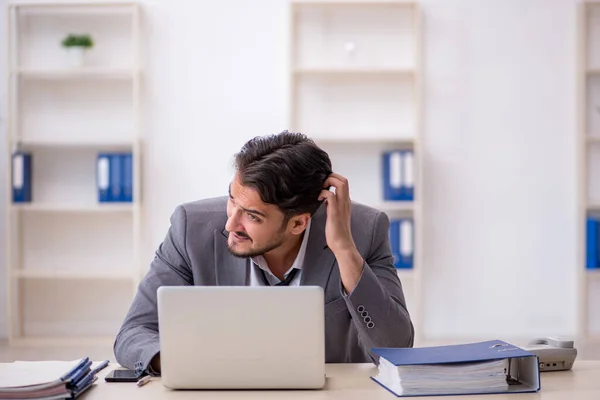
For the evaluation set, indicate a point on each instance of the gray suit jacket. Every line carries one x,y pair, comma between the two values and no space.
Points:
195,252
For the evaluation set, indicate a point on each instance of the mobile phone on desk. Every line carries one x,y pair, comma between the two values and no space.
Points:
123,375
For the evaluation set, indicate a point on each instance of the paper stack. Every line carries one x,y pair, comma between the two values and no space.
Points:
474,368
47,380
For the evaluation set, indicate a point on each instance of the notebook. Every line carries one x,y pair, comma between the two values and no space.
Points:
474,368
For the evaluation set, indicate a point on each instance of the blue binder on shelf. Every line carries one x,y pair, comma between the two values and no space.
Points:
398,175
21,177
592,256
401,234
474,368
103,177
127,177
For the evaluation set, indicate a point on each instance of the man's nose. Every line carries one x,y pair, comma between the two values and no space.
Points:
233,222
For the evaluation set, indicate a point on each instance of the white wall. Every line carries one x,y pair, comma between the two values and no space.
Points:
499,142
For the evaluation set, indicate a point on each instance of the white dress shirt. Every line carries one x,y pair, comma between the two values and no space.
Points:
256,278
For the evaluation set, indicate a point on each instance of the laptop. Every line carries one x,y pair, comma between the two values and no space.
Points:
242,337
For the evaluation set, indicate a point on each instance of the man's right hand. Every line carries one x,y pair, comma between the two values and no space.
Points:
155,363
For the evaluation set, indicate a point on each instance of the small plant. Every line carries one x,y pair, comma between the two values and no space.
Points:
73,40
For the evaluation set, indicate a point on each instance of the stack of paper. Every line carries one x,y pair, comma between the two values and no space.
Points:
47,380
475,368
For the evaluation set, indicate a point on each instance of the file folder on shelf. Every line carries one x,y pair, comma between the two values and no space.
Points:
474,368
401,235
592,256
398,175
115,177
21,177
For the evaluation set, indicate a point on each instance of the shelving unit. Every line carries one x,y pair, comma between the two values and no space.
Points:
67,252
355,87
588,145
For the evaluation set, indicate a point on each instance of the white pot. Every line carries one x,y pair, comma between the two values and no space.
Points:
76,56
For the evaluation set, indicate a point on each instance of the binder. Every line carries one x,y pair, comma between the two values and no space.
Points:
21,177
458,369
408,176
592,243
103,177
401,234
127,177
398,175
116,180
392,176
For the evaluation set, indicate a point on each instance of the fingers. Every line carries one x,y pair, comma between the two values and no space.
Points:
327,195
339,182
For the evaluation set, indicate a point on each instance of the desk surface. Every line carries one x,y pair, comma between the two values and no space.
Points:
351,381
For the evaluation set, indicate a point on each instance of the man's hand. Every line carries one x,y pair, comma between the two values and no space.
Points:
338,232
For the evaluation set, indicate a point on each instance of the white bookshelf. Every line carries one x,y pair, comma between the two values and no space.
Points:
68,252
588,145
355,87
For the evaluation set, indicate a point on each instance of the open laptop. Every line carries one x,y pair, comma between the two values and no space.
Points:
242,337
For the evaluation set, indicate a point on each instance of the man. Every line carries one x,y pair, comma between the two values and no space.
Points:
288,220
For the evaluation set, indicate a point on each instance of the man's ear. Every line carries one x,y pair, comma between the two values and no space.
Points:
298,223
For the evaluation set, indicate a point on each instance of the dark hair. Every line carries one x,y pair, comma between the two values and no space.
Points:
286,169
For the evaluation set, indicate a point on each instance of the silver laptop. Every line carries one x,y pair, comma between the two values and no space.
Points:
242,337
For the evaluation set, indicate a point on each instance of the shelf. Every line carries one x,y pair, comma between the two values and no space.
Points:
75,73
74,208
58,141
593,207
62,341
593,139
354,71
387,139
593,274
73,274
405,274
395,206
362,3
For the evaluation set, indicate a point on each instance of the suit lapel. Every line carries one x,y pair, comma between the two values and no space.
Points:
229,269
319,259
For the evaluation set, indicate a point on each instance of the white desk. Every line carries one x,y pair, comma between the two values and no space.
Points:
351,381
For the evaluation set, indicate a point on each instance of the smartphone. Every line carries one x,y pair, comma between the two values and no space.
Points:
123,375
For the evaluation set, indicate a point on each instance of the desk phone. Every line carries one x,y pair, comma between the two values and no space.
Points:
554,353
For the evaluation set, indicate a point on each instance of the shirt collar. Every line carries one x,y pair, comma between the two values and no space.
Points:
298,262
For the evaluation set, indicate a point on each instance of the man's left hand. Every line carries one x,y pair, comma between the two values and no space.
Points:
338,232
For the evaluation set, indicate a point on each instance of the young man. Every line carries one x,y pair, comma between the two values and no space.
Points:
288,220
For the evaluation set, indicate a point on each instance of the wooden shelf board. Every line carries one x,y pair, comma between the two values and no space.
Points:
74,208
395,206
76,73
362,3
592,273
593,139
405,273
354,71
74,142
37,341
73,274
402,140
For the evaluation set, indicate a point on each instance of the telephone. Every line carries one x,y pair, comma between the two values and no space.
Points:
555,353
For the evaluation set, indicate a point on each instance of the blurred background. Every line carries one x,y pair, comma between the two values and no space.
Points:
473,124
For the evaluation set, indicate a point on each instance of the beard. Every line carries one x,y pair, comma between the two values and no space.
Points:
272,245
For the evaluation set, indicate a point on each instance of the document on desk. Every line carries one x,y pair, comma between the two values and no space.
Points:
47,379
474,368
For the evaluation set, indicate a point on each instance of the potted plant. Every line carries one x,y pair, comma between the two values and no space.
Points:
76,46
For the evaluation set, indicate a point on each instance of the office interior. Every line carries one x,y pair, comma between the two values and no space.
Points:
496,102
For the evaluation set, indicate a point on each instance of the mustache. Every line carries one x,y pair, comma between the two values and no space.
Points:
242,235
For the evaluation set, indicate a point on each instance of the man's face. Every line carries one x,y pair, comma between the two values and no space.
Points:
254,227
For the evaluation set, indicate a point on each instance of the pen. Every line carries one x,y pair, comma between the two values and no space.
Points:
144,380
100,367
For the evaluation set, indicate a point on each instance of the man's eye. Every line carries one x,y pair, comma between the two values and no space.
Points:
253,217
